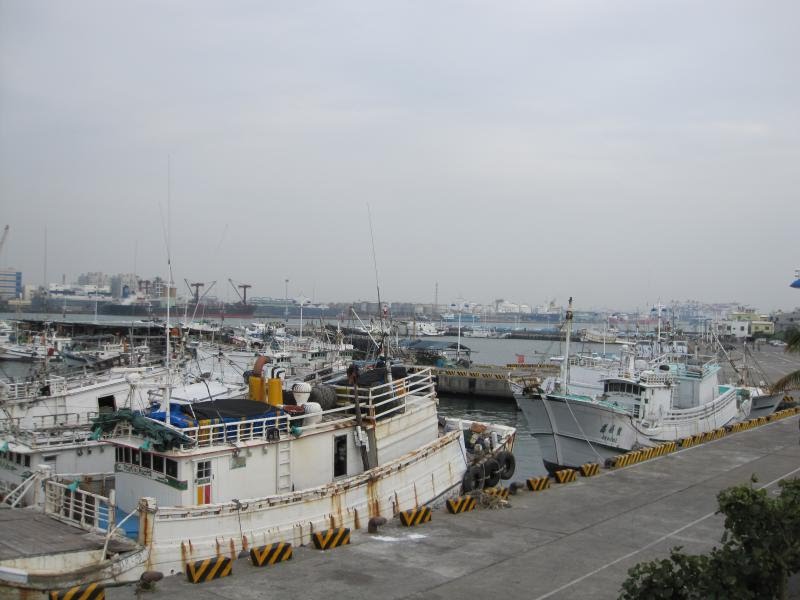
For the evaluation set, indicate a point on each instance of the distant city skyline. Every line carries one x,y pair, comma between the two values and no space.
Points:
94,278
619,152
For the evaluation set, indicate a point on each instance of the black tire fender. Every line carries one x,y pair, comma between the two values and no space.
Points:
492,470
473,479
508,464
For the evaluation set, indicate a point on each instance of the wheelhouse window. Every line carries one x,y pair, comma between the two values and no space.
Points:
340,455
204,471
148,460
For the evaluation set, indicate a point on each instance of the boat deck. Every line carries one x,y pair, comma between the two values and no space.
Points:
27,533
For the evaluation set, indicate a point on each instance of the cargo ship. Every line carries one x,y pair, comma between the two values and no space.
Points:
158,308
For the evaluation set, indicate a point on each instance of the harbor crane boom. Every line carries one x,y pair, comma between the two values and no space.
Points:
244,287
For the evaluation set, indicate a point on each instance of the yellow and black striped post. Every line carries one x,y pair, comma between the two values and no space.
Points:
537,484
269,555
566,475
331,538
415,516
91,591
461,504
590,469
200,571
500,492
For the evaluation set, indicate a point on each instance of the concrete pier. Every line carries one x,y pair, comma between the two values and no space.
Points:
574,540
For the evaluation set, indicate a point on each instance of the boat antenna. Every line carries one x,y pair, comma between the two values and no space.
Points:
565,362
166,230
377,280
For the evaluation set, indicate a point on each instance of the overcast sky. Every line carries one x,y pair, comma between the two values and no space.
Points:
617,151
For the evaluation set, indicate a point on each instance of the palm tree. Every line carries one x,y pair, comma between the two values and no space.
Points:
792,380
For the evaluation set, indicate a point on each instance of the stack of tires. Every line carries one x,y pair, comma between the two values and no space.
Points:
488,473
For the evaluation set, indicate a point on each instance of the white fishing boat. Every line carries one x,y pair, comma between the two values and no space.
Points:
677,395
48,421
39,347
185,475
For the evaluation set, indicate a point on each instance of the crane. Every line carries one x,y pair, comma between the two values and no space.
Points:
244,287
3,239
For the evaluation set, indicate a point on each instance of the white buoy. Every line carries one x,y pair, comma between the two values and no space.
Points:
301,391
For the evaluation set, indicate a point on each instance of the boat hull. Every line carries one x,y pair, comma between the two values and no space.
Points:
763,406
573,432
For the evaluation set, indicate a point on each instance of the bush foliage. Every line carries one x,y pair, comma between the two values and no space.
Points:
760,550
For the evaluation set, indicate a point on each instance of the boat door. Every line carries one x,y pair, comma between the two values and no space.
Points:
106,404
202,482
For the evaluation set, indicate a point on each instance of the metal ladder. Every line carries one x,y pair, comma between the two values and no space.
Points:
284,466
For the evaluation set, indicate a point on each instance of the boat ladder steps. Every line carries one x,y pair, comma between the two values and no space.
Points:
284,466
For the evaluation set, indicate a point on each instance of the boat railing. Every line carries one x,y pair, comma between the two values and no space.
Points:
702,411
47,422
655,378
376,402
54,437
73,505
382,400
238,431
24,390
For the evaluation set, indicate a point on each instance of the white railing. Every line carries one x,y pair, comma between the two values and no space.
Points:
71,504
655,378
54,438
43,422
700,412
375,403
53,386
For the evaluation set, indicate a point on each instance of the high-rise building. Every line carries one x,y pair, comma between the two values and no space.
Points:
10,283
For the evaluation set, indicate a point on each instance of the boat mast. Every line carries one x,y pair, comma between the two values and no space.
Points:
565,362
168,390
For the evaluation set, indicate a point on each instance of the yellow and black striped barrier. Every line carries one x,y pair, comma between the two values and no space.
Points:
782,414
590,469
200,571
461,504
331,538
537,484
500,492
415,516
566,475
91,591
623,460
472,374
269,555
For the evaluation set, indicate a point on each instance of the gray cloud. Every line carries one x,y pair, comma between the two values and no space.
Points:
619,151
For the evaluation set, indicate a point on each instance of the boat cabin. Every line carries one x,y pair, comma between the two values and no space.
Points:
225,450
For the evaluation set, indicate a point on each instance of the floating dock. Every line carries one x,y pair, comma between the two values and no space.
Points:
575,539
490,381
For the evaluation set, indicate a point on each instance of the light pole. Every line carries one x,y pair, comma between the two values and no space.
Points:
286,301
